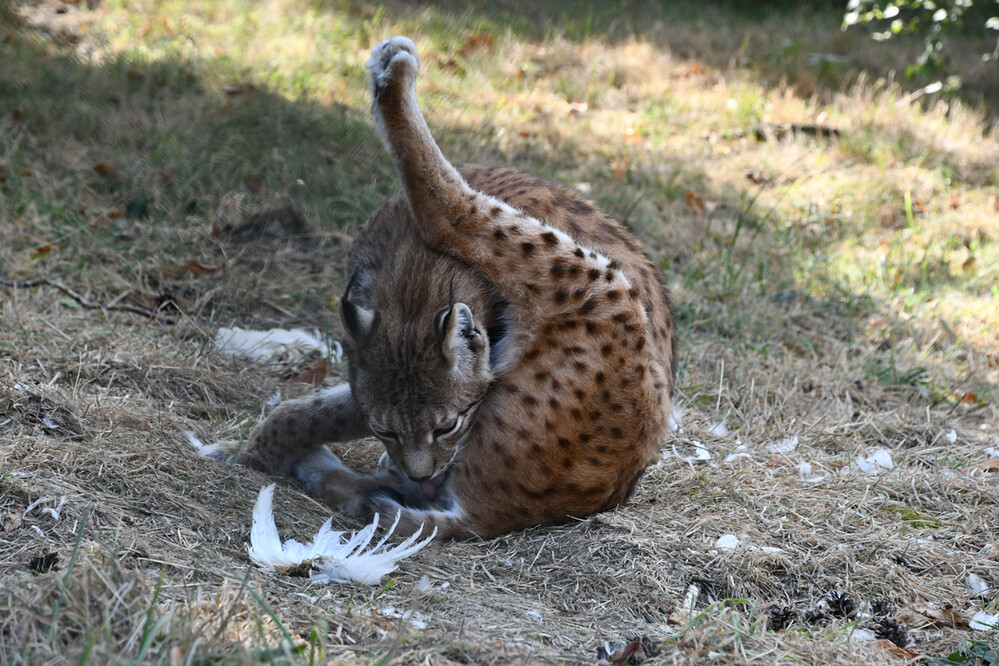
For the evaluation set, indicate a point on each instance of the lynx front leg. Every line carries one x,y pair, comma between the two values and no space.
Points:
298,426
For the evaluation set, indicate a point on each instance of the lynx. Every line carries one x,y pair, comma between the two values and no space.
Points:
511,346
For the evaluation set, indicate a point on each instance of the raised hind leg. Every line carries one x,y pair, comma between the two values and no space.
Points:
521,255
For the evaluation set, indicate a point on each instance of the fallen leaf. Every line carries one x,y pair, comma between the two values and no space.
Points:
253,182
41,251
970,398
104,169
11,522
987,465
632,135
475,43
695,202
17,114
922,615
314,373
885,644
633,652
199,268
955,200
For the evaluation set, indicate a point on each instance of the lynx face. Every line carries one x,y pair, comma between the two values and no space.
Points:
419,383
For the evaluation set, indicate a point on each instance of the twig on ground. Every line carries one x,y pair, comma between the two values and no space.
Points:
85,303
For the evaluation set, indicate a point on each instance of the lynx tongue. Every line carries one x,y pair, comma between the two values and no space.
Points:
430,486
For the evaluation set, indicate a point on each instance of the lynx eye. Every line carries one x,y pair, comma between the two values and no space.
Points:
448,429
384,434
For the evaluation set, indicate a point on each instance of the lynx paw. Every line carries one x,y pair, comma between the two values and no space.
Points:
312,468
390,60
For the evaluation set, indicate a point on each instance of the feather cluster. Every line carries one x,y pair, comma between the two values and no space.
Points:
331,556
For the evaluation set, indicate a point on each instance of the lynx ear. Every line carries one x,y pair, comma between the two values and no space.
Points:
456,330
359,322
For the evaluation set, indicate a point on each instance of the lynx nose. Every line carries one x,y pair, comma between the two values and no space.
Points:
418,464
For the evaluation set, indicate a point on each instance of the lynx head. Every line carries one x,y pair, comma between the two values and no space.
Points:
419,379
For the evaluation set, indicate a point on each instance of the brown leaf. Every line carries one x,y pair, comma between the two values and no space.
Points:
632,135
314,373
11,522
970,398
991,465
199,268
253,182
955,200
17,114
631,651
921,615
885,644
41,251
104,169
695,202
475,43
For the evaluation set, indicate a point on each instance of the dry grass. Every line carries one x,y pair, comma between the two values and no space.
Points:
840,291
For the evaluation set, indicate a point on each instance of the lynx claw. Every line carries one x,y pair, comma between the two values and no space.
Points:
389,58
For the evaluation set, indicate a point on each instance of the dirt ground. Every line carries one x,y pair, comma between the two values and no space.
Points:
831,494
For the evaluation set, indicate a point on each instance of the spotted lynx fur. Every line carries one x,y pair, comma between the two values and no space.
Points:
511,345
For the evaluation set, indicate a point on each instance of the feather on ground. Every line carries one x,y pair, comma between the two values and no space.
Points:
329,557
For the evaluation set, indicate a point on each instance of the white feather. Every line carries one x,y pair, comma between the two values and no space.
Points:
332,556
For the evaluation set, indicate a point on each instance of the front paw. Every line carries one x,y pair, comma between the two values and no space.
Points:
392,60
313,467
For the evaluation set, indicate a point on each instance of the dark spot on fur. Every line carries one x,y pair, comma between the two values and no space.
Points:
573,350
527,248
609,276
590,326
600,377
616,432
593,274
564,443
561,295
558,269
594,415
541,375
574,270
614,263
494,211
625,382
585,437
567,462
503,485
589,306
532,354
535,450
550,238
633,293
614,294
556,385
579,365
579,252
580,394
601,448
593,460
533,288
530,400
499,234
620,317
640,344
606,350
553,403
576,414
